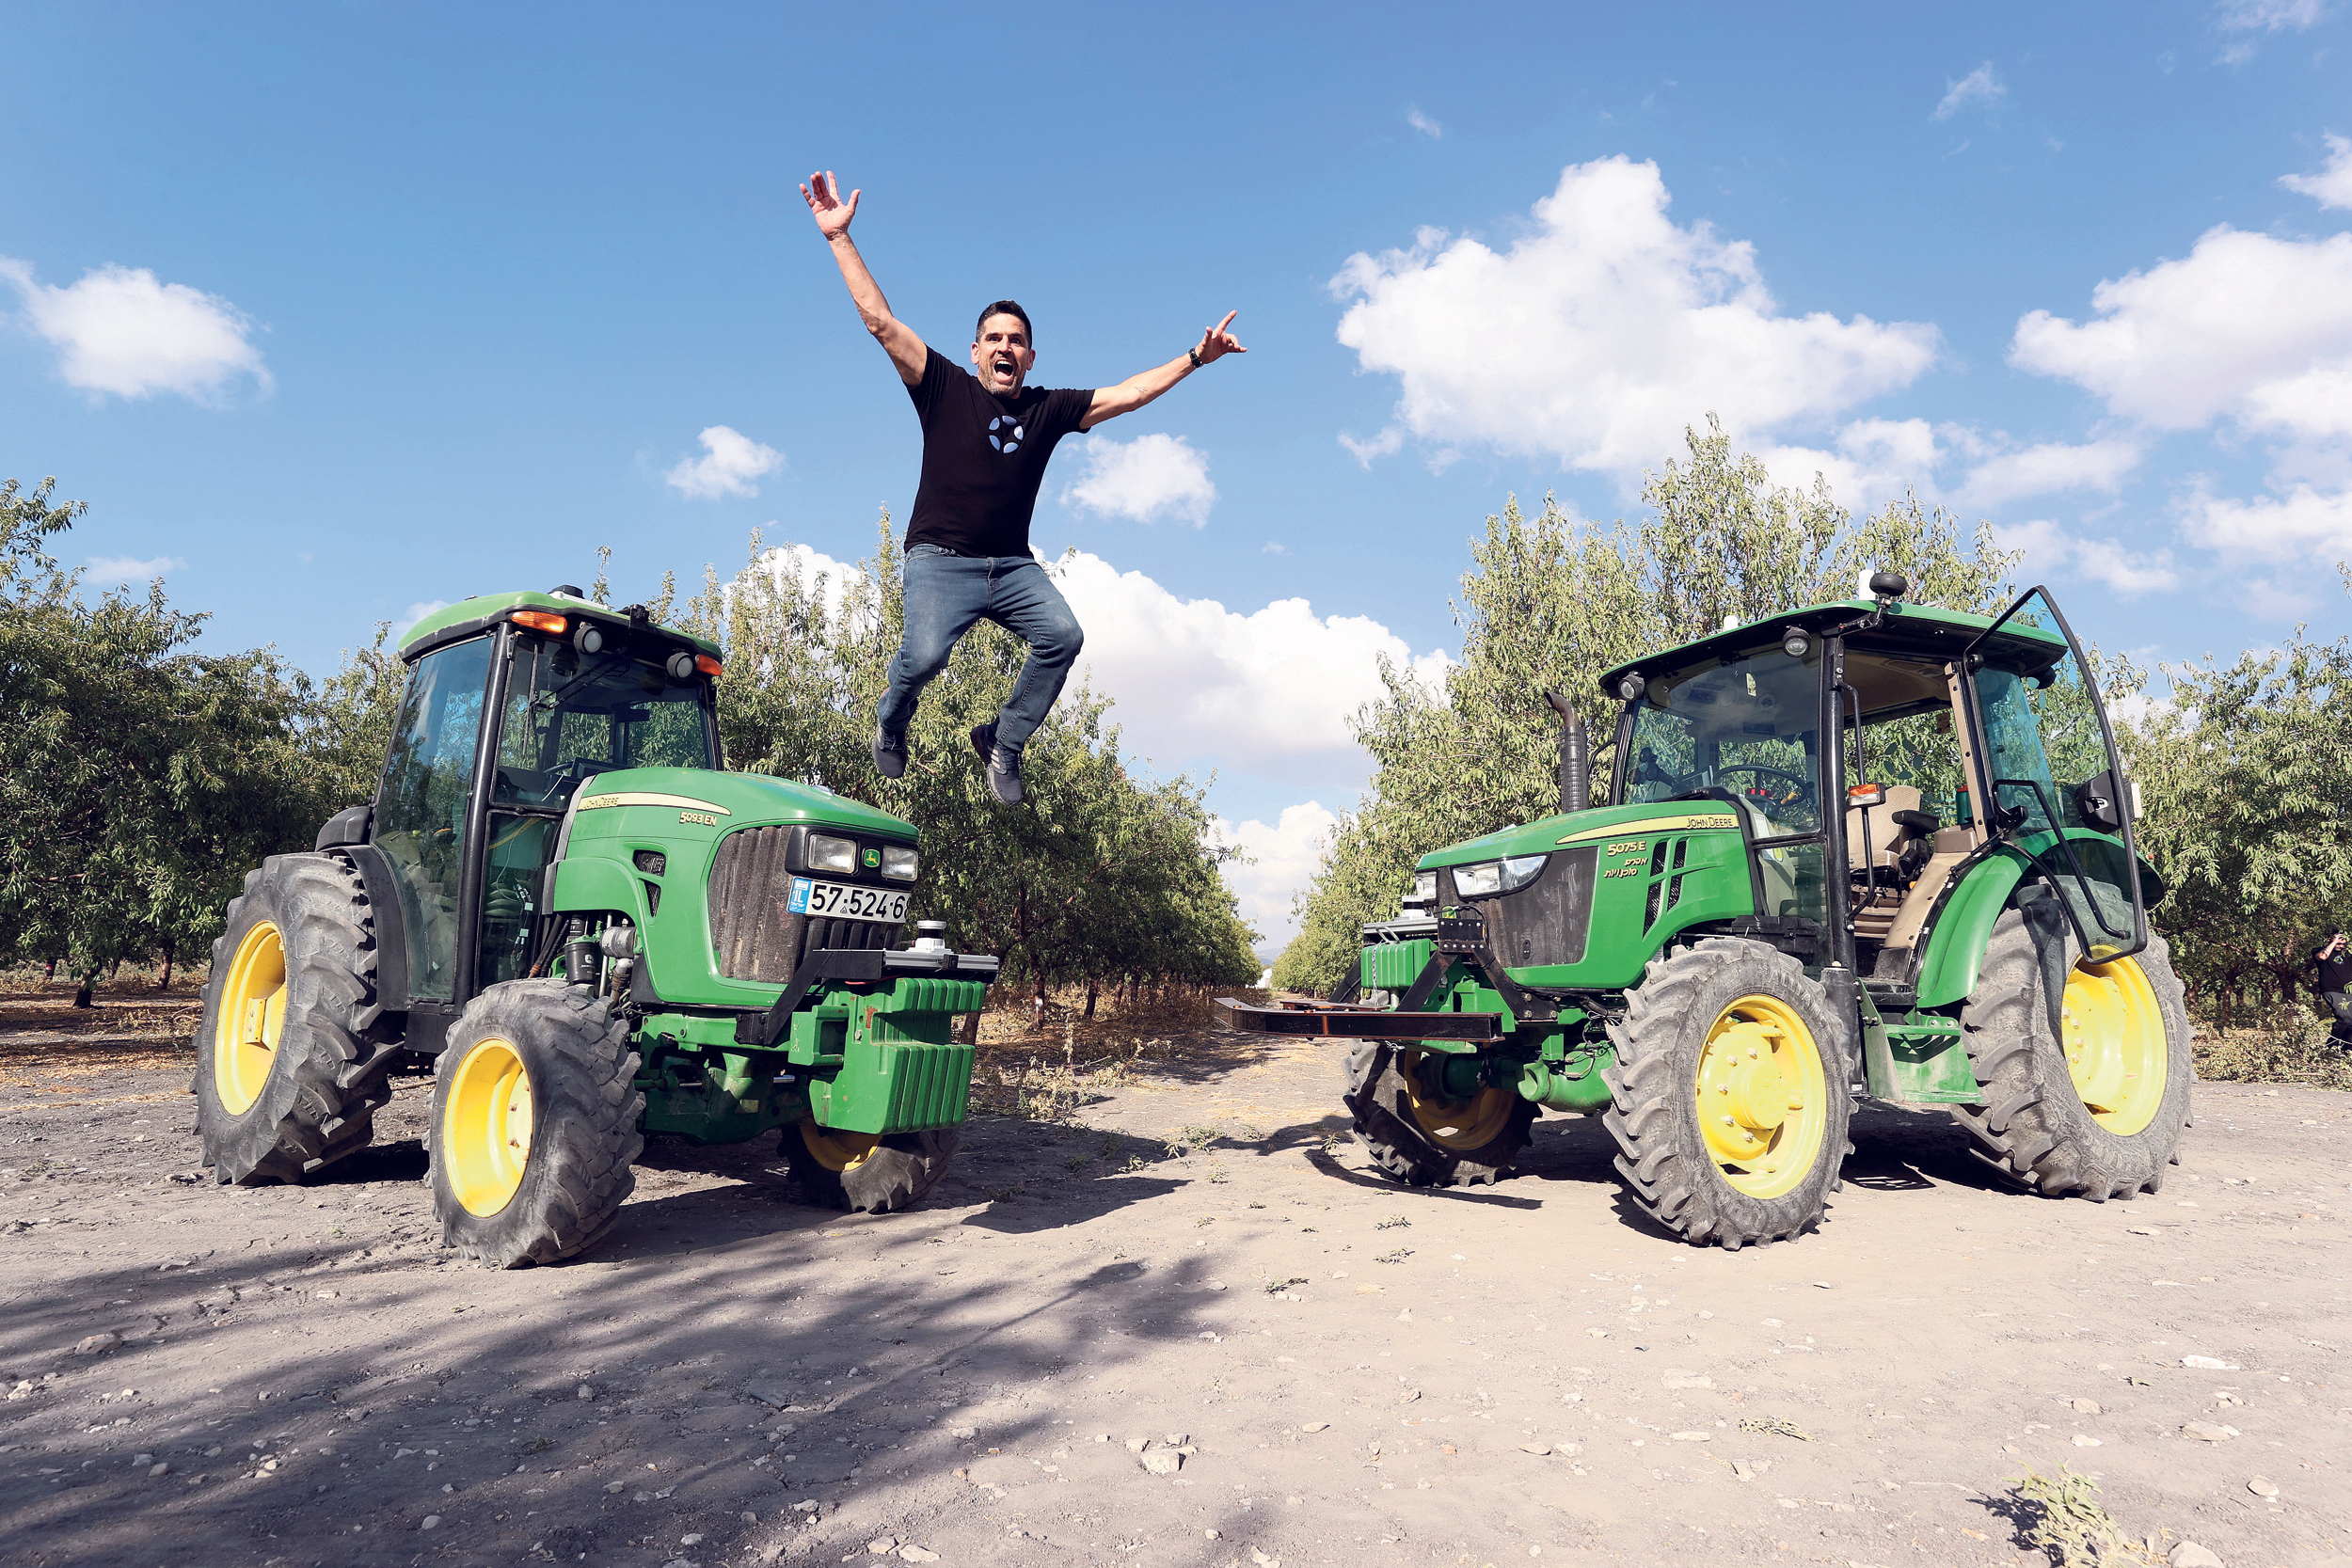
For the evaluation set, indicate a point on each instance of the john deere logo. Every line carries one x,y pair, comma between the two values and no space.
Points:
873,859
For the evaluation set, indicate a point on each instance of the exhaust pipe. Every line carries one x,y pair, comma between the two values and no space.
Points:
1576,755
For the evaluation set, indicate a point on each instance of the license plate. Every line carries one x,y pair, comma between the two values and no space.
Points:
843,901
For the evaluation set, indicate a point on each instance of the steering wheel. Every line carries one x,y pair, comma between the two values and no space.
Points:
1799,785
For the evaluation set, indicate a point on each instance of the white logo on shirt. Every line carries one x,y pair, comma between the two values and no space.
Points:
1010,441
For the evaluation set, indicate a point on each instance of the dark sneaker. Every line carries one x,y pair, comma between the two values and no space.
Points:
890,753
1004,767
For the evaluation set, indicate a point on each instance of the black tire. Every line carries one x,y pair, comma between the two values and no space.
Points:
584,1124
328,1069
1668,1167
896,1171
1409,1135
2032,1126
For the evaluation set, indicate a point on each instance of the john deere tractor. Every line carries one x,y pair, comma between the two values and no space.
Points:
1833,858
593,933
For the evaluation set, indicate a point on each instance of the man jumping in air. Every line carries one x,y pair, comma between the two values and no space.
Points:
986,439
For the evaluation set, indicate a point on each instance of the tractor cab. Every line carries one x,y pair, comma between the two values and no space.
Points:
1853,743
515,700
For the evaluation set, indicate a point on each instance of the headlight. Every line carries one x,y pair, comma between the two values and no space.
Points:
826,853
1492,876
1425,890
899,863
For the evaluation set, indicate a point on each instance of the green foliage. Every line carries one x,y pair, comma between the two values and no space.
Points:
1553,600
2246,778
139,780
1099,877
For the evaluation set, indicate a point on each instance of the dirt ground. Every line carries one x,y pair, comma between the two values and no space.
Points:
1330,1369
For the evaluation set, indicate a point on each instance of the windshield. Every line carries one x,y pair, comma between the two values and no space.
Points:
569,718
1746,726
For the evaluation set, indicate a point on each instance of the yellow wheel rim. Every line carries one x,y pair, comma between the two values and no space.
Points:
1458,1125
485,1127
2116,1052
839,1151
252,1015
1763,1096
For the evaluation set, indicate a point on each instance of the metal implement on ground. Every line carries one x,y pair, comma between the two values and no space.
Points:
594,933
1833,858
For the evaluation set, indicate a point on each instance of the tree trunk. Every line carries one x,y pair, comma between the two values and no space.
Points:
169,950
114,969
82,997
1093,990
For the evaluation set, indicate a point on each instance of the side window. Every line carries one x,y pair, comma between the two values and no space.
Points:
420,810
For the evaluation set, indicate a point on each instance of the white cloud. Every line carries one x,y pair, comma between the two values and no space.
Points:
1275,546
811,569
2304,525
2269,16
730,464
1284,854
2207,337
117,330
2127,571
1266,691
105,571
2050,468
416,612
1602,333
1147,478
1872,462
1980,85
2331,186
1422,122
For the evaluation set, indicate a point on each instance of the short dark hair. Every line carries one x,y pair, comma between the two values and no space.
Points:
1004,308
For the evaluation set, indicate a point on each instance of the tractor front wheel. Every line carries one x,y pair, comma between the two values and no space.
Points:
866,1173
291,1058
1732,1095
535,1123
2086,1068
1422,1139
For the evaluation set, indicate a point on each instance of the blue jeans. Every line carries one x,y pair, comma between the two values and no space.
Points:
944,594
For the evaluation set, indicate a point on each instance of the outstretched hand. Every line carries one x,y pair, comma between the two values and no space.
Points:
833,214
1215,342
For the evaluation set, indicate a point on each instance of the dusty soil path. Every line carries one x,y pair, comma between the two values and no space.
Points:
1522,1373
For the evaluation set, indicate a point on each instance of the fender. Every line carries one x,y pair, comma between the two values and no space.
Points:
1952,946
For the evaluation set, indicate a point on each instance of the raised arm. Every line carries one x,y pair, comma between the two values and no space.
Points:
832,216
1141,388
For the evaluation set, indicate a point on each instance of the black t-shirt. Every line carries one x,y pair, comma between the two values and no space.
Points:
983,458
2334,974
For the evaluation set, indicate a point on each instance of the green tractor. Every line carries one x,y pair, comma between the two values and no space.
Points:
594,933
1834,860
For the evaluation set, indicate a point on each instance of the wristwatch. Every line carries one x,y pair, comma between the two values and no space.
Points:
1195,355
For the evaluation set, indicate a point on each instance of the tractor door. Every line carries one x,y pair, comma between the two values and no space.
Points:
2036,718
422,805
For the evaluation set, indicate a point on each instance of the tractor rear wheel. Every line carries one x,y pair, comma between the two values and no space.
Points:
291,1055
535,1123
2086,1068
1423,1140
1731,1095
867,1172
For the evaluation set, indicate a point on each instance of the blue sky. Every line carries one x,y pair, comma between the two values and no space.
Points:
331,311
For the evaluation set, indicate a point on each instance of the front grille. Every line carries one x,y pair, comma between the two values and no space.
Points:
756,936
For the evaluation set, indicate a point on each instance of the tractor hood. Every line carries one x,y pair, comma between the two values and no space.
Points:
694,797
1600,825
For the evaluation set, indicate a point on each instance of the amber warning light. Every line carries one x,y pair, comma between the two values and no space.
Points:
1865,795
707,665
540,619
